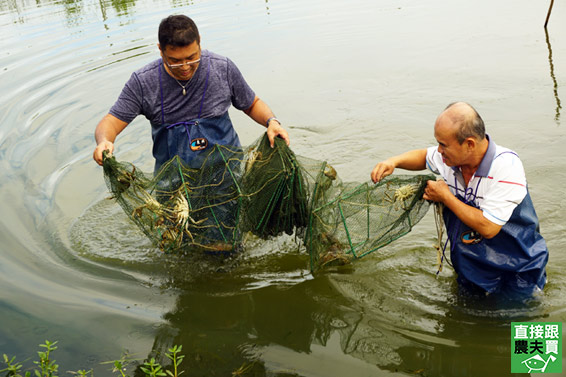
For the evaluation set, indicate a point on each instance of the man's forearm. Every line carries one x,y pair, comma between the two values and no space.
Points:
259,112
411,160
472,217
108,128
105,134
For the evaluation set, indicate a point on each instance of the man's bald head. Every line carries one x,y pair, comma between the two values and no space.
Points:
466,121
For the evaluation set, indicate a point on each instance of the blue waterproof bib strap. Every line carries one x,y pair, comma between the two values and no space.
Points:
469,199
185,123
190,138
514,260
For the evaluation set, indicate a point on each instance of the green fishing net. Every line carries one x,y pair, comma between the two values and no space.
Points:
266,192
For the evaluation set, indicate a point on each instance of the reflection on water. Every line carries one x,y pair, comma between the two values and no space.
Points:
73,10
354,82
364,327
555,83
256,321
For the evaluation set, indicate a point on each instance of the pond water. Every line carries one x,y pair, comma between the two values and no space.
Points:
354,82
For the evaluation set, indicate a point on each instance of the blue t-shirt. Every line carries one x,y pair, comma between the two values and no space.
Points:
142,94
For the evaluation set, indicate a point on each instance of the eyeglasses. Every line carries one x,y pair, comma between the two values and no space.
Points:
175,66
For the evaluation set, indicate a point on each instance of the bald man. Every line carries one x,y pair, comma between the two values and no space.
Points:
491,223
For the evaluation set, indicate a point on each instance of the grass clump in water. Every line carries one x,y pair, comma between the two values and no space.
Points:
46,366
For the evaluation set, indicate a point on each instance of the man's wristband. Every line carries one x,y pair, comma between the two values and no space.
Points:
270,119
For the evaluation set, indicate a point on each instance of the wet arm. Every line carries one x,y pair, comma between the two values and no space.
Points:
105,134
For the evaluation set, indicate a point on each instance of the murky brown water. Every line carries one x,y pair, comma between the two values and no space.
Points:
354,82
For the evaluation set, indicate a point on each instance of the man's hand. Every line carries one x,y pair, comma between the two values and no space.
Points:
275,129
436,191
382,170
105,135
105,145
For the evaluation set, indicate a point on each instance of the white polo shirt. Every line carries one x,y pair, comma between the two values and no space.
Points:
496,188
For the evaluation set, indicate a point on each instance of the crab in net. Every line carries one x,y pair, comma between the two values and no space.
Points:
401,196
172,218
333,253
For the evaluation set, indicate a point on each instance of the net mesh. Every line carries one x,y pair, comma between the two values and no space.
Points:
267,192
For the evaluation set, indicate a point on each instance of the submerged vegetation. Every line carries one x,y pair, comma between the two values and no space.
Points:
46,366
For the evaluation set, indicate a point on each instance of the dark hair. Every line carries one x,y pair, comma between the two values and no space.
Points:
469,125
177,31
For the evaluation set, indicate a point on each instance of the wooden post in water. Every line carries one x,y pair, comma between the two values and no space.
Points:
548,14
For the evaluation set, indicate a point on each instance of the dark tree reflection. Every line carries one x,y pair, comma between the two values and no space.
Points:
554,82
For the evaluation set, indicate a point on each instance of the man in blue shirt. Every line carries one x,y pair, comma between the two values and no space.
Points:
491,223
186,96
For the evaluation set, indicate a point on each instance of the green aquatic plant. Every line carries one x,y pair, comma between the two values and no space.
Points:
121,364
152,368
46,366
177,359
12,367
83,373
